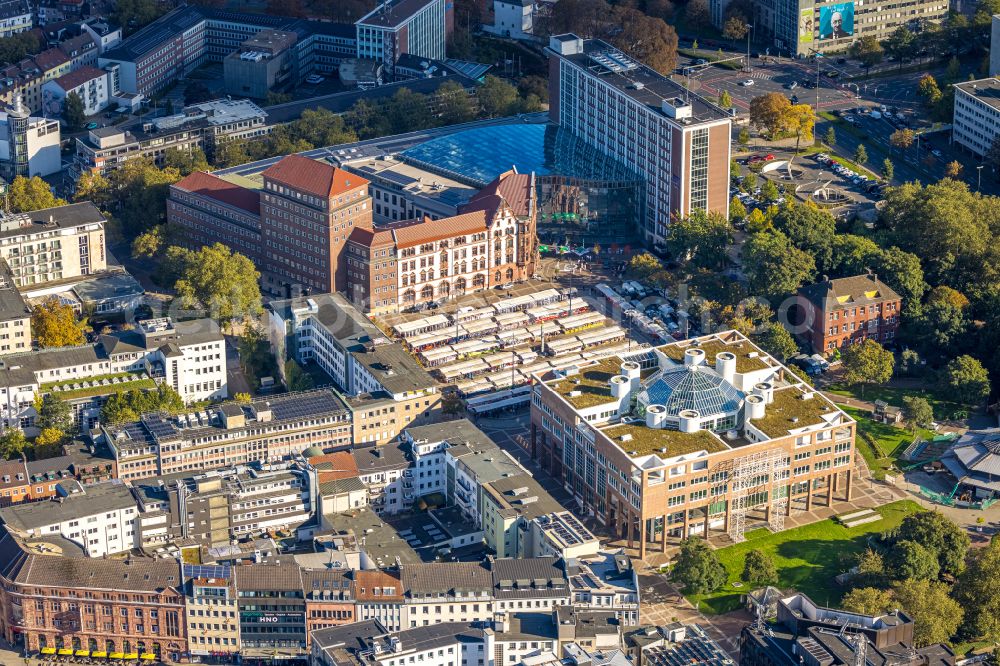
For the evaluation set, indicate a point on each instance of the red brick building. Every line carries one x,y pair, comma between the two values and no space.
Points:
491,241
842,312
308,210
329,602
103,606
213,210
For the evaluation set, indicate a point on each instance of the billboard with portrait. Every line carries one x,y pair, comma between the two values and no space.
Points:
806,25
836,21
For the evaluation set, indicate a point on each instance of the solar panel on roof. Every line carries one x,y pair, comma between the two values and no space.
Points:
207,571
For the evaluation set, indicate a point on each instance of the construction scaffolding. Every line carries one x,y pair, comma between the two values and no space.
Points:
762,471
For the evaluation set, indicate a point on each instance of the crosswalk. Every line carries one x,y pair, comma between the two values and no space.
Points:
761,75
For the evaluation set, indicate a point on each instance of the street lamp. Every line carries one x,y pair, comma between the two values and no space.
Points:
749,27
979,176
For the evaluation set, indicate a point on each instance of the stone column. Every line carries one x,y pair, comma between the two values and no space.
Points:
663,535
809,495
848,485
829,490
642,539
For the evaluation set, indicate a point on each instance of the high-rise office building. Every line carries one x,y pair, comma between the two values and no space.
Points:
678,141
308,210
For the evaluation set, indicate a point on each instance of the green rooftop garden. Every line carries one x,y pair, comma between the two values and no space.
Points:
645,440
99,385
789,411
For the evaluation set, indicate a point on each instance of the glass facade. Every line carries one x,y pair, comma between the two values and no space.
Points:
584,196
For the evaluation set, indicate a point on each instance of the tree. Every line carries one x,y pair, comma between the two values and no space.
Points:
243,398
868,51
769,191
769,112
454,105
977,592
642,265
55,413
952,169
901,271
887,169
860,154
777,341
954,69
743,138
128,406
810,229
735,28
909,560
297,379
53,324
231,153
697,569
965,380
12,444
867,363
871,570
852,255
701,238
646,38
759,568
774,267
134,14
936,616
867,601
223,281
902,138
799,119
940,536
902,44
497,97
49,437
697,15
831,136
917,411
928,89
942,320
737,211
186,161
725,100
27,194
73,111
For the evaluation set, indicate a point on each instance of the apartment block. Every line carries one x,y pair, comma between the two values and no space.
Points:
15,16
491,242
202,126
94,521
187,356
690,437
976,122
838,313
264,431
368,643
53,244
218,505
213,627
328,330
677,140
88,83
29,146
15,315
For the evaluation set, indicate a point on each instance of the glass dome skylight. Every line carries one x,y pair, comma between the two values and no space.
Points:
692,387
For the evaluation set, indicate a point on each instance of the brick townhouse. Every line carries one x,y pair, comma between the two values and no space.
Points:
846,311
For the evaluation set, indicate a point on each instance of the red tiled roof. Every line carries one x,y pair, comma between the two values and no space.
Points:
313,176
511,187
370,237
79,77
334,466
427,231
207,185
50,59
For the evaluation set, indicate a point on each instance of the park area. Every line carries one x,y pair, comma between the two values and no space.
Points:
807,558
882,444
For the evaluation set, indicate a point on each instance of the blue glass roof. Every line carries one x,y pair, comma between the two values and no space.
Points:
693,388
477,156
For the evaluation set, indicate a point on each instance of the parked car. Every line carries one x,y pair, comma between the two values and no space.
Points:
793,85
746,83
313,79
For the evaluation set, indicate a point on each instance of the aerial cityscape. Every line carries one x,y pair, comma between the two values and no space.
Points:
510,333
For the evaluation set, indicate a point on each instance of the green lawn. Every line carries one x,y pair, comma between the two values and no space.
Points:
886,443
943,409
807,558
